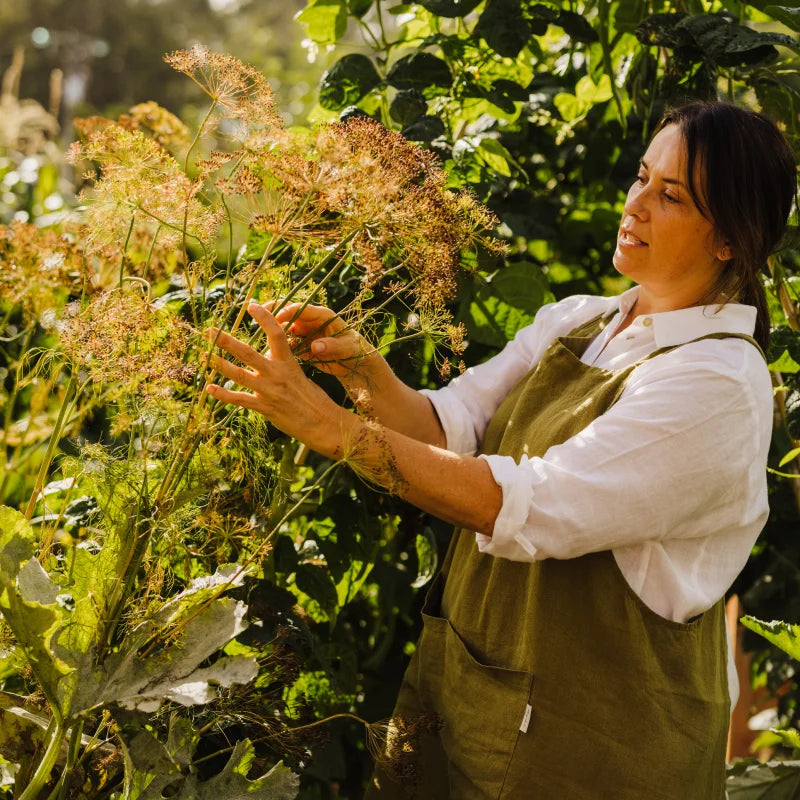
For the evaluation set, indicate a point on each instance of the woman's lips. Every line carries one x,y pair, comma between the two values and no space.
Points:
627,239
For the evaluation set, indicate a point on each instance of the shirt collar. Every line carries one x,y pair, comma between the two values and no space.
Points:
678,327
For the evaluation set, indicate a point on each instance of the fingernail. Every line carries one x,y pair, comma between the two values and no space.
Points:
318,347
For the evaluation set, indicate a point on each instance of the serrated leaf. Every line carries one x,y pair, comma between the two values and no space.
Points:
347,81
325,20
422,71
782,634
788,15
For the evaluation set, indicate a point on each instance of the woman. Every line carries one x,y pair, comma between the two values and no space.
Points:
574,647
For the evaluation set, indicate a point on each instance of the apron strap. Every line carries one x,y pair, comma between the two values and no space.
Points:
720,335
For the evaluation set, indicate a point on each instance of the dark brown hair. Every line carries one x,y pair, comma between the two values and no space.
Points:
749,180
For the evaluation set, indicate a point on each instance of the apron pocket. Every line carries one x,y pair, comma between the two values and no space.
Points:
481,707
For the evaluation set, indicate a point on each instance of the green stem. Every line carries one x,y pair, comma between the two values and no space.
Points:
62,787
125,250
51,446
602,17
54,736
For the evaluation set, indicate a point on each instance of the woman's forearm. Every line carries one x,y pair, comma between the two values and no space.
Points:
457,489
380,394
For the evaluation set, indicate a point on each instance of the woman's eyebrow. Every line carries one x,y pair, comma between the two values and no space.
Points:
667,180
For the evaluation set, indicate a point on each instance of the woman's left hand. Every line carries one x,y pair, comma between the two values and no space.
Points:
278,387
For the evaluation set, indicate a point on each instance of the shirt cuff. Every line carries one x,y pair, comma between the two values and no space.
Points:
456,422
508,539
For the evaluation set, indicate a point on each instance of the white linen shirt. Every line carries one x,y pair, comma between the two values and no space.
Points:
671,479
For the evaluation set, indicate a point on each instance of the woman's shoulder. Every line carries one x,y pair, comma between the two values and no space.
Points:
560,317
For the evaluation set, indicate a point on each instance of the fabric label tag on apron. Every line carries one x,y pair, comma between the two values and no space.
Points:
526,719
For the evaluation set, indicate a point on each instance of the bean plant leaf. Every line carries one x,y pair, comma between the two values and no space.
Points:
783,354
325,20
789,738
359,7
788,15
422,71
782,634
315,581
347,81
776,780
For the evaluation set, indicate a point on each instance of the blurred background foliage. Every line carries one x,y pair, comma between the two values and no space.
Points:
543,110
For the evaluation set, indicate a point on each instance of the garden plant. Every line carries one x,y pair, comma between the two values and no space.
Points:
193,603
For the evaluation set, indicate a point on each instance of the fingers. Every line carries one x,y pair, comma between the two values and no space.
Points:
336,348
243,399
236,374
278,343
310,320
237,348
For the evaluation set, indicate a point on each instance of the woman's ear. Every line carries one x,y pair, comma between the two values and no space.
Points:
725,253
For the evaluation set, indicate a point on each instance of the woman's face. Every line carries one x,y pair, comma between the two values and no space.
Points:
664,243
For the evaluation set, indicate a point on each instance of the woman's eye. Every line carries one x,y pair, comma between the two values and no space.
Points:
640,179
669,198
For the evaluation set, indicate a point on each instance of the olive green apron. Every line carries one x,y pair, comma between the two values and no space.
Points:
552,680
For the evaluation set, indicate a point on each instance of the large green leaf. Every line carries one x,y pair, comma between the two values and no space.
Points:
408,106
504,27
422,71
777,780
325,20
577,27
500,307
347,81
788,15
781,634
154,770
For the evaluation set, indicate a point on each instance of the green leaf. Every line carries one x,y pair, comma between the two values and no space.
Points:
789,738
783,354
505,304
449,8
359,7
427,558
325,20
781,634
407,106
788,15
777,780
347,81
504,27
422,71
316,582
792,454
424,129
577,27
495,156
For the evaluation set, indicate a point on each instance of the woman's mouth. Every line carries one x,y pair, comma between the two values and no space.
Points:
627,239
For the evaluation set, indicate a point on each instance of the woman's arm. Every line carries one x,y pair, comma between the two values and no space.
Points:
364,373
459,489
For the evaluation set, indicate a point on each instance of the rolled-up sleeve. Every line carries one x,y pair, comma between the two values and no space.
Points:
468,402
681,454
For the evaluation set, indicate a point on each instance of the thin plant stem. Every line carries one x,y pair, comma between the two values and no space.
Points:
54,736
125,250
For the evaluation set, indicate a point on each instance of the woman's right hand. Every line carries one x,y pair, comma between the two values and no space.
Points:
329,344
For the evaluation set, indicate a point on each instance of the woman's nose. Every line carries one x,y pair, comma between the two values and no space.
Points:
636,202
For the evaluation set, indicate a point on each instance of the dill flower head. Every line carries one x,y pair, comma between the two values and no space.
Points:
139,181
121,338
241,92
162,125
39,267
